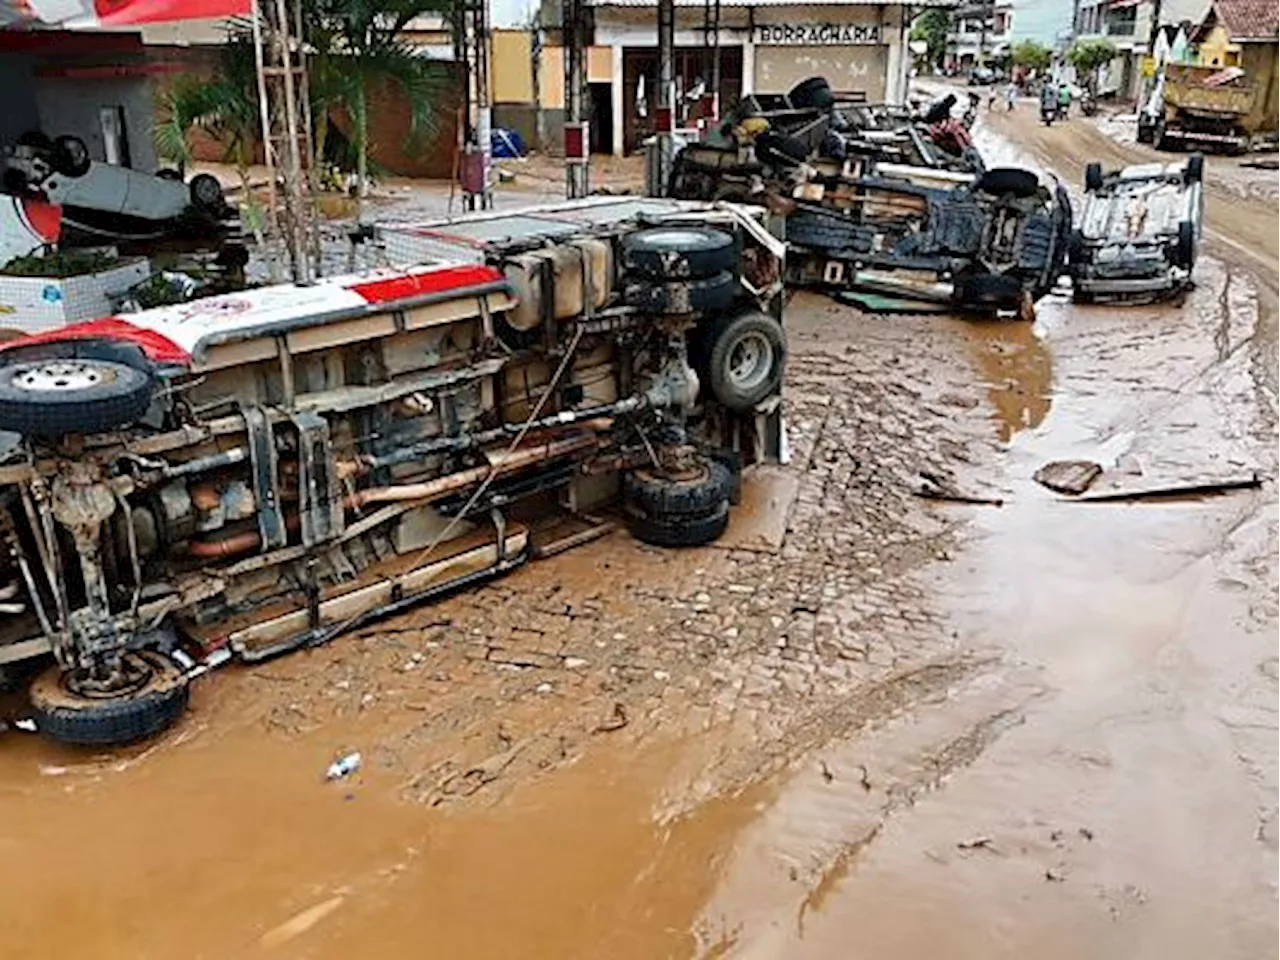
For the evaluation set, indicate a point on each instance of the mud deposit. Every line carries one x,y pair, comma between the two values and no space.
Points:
912,728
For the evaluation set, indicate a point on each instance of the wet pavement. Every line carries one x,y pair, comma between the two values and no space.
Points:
913,728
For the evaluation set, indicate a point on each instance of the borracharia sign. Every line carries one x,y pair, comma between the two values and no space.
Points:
817,34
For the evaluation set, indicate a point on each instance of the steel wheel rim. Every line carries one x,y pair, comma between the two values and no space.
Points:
750,361
61,376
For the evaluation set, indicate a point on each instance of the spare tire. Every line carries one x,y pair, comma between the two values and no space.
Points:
709,485
679,252
53,397
683,296
814,93
1008,181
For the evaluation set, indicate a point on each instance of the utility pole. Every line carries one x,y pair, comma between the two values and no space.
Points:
987,10
577,130
665,115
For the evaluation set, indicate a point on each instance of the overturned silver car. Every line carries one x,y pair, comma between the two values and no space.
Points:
249,474
1138,231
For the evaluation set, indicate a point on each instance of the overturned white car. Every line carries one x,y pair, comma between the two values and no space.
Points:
249,474
1138,231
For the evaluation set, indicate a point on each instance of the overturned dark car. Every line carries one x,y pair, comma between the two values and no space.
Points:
996,244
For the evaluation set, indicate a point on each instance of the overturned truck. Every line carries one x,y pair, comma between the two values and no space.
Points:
254,473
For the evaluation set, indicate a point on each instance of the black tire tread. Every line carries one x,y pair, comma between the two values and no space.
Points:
720,336
658,496
683,296
999,181
94,411
110,722
681,531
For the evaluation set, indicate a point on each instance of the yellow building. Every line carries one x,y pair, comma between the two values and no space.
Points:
1243,33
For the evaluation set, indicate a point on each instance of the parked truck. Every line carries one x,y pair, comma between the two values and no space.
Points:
1194,107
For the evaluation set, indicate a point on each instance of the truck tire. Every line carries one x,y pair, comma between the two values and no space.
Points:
1158,138
49,398
662,530
1093,178
1008,181
989,290
1195,168
814,93
709,485
745,360
772,146
70,156
679,253
70,716
683,296
1184,251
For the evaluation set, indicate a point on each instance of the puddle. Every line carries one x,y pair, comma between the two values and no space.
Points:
1017,368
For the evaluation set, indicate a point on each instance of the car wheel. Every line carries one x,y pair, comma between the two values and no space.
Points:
1093,178
663,530
52,397
1184,251
35,140
168,173
696,493
989,291
71,713
814,93
679,253
70,156
745,360
683,296
1195,168
1008,181
206,193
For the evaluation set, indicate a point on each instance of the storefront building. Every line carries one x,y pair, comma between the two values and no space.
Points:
764,47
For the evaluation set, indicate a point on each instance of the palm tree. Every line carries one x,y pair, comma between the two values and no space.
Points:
358,44
224,106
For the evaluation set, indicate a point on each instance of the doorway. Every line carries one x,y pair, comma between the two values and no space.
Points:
115,139
601,117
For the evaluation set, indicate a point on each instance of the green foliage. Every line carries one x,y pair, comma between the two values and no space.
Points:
1088,55
52,264
1032,55
931,27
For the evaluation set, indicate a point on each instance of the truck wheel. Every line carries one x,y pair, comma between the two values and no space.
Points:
1093,178
746,359
1195,168
1008,181
989,291
70,156
701,491
206,193
683,296
1184,252
156,698
672,530
49,398
679,253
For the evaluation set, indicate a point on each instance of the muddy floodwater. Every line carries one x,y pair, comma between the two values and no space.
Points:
869,723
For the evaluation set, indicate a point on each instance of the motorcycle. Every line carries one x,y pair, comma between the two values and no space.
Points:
1048,113
1089,104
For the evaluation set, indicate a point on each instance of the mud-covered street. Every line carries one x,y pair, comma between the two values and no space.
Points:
867,723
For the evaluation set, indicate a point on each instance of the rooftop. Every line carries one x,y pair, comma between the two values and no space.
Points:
1248,19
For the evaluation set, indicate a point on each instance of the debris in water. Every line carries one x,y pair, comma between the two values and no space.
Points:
344,766
300,923
935,487
616,720
827,775
1189,488
1068,476
26,724
1055,875
975,843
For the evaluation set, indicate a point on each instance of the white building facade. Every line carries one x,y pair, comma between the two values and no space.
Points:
764,47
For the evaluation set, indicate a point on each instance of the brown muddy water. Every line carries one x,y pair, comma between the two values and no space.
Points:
907,728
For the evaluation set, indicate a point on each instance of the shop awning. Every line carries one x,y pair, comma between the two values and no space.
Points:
87,14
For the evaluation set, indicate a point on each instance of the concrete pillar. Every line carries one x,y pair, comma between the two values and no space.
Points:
748,66
616,95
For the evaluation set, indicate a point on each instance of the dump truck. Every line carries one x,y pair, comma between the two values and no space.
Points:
1197,107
